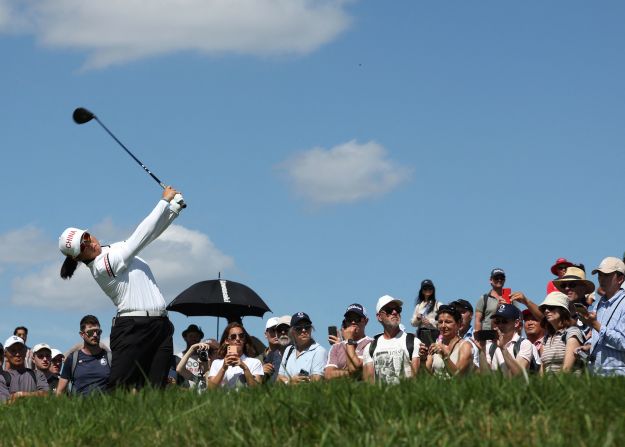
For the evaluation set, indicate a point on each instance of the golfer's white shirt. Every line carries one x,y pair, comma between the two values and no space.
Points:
125,277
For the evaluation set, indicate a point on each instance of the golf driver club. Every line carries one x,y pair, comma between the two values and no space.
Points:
82,116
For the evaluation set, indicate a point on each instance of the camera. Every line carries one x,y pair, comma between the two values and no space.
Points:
203,355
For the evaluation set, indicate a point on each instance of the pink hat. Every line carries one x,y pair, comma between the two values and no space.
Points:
560,261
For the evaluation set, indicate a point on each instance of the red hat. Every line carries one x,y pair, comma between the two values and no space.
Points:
560,261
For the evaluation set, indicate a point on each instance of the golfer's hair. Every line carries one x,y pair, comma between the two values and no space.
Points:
89,319
69,267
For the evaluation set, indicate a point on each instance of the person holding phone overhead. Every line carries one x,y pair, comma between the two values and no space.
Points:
234,367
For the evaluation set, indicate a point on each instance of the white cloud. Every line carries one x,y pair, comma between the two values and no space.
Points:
117,31
26,245
346,173
178,258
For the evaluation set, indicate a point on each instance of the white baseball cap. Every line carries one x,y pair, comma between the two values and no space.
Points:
386,299
40,346
13,339
56,353
69,241
272,322
610,265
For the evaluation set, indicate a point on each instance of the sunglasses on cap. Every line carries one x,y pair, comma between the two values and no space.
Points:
233,337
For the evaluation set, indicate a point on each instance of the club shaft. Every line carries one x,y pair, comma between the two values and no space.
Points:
130,153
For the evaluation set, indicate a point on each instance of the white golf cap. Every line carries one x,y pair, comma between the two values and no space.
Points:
13,339
40,346
272,322
610,265
386,299
56,353
69,241
284,319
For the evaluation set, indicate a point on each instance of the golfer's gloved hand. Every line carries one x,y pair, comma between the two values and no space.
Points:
177,203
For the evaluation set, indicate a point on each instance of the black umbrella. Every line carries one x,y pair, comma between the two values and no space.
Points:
219,298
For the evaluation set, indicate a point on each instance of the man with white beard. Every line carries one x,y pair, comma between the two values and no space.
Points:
277,335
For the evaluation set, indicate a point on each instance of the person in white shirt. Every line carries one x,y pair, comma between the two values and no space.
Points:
141,337
234,367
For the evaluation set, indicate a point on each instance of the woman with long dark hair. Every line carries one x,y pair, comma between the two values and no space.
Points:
426,306
141,336
563,336
234,366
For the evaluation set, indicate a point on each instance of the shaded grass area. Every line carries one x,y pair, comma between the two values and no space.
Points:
559,410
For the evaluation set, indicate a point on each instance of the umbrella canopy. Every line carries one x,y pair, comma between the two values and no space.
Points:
219,298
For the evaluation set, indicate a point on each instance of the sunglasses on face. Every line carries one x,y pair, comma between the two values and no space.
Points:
390,310
240,336
551,308
43,355
500,321
300,329
92,332
85,240
427,288
353,319
499,278
570,284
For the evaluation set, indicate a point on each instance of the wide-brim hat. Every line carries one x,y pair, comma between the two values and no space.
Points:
574,274
560,261
556,299
193,328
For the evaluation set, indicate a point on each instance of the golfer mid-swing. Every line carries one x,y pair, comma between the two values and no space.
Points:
141,337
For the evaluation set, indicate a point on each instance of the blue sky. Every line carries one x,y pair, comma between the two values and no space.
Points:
330,151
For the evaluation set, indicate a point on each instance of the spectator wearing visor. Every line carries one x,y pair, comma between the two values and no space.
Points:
607,345
488,303
277,335
510,353
426,306
19,380
394,354
305,359
346,356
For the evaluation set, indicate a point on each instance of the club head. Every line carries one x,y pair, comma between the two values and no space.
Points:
82,115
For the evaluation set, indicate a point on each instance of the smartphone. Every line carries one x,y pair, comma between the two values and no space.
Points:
232,349
333,330
581,309
303,372
506,294
485,335
427,335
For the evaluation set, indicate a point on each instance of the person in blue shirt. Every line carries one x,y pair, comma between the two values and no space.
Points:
305,360
607,345
90,370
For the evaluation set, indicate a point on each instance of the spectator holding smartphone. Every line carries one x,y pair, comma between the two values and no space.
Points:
450,355
235,367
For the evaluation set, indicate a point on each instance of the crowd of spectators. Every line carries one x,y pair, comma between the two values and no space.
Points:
576,328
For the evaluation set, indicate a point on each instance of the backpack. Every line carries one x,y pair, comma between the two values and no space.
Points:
409,344
109,359
534,367
7,377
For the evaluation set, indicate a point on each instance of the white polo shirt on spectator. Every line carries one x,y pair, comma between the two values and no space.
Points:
526,350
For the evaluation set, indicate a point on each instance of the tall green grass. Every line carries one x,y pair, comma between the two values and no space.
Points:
559,410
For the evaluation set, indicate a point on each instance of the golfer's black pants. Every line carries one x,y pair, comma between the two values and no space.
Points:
142,350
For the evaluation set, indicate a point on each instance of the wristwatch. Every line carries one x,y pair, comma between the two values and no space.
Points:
352,342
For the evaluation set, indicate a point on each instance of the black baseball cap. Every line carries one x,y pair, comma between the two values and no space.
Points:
462,304
507,311
497,272
300,317
427,283
357,309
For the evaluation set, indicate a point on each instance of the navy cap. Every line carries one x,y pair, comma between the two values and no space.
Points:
462,304
507,311
497,271
427,282
298,318
357,309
